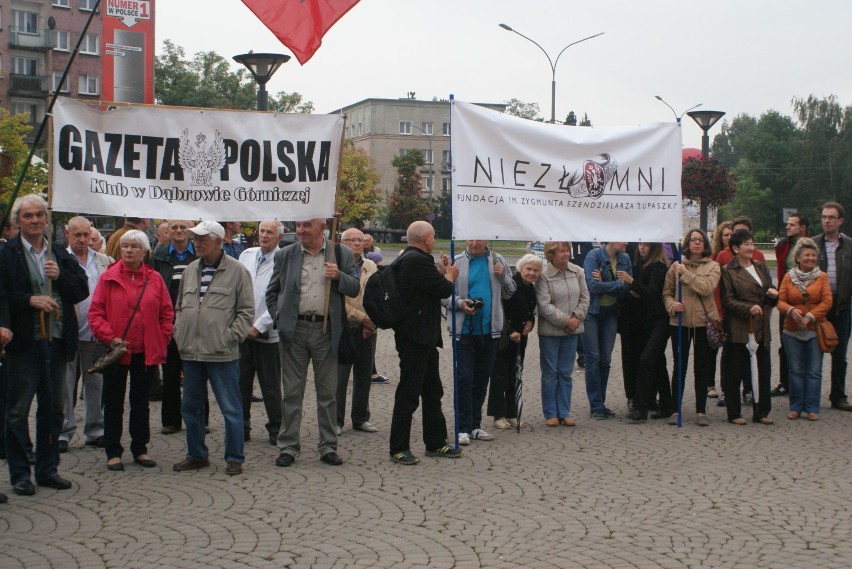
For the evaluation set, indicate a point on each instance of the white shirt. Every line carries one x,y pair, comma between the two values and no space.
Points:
260,275
82,307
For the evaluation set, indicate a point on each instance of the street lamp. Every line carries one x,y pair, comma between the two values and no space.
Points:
431,157
262,66
705,120
553,64
677,116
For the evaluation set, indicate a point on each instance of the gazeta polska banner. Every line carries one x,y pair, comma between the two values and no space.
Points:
516,179
187,163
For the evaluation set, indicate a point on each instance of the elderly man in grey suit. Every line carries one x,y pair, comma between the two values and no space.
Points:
296,301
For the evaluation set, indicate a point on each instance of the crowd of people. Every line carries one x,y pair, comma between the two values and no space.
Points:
194,311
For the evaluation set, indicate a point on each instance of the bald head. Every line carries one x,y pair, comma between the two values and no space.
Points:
421,235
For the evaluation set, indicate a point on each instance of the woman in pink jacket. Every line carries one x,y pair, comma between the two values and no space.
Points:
146,330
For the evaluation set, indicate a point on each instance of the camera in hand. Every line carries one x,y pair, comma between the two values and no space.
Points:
478,303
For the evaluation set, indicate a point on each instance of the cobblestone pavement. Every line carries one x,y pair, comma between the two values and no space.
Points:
602,494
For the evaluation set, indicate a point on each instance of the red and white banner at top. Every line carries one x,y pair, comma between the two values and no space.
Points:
187,163
516,179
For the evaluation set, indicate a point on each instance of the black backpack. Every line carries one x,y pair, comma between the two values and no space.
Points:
382,300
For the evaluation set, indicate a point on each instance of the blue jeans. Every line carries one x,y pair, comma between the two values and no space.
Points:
475,357
599,341
225,381
557,365
40,372
843,324
804,373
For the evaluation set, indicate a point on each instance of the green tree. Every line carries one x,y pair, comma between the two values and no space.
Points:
586,120
571,119
359,190
13,154
759,203
405,205
443,221
518,108
206,80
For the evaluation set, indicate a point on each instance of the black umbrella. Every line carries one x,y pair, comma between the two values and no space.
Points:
519,387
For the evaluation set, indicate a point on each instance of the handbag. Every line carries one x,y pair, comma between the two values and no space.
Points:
716,336
826,334
108,358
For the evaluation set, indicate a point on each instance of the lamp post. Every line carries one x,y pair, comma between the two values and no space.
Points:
705,120
431,157
677,116
553,64
262,66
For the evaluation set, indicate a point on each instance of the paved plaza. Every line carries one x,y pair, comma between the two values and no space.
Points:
602,494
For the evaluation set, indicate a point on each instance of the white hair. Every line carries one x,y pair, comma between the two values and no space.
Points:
27,199
137,237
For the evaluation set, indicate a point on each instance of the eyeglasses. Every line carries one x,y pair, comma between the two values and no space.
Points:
696,240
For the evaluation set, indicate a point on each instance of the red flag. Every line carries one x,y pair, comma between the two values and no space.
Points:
300,24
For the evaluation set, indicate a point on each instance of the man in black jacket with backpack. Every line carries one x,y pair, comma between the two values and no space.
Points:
422,286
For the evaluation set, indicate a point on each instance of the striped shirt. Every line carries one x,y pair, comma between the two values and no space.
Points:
207,272
831,263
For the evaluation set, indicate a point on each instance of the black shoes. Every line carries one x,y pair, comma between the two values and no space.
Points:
663,414
24,488
63,446
169,430
145,462
56,482
233,468
637,416
332,458
116,466
285,460
190,464
98,442
779,391
841,405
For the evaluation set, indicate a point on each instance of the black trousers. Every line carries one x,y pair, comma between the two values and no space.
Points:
418,378
264,360
170,409
702,367
361,381
115,387
632,344
652,378
737,359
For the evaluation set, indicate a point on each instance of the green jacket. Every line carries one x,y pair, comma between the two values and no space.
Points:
212,330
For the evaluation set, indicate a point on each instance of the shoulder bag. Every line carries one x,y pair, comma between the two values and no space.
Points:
107,358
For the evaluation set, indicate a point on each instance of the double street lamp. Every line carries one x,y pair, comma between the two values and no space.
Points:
705,120
553,64
262,66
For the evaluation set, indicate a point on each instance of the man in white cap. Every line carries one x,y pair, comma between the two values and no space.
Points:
214,312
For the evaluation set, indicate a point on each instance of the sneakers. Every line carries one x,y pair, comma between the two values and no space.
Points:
366,427
446,452
599,416
464,439
502,423
721,401
480,435
608,412
380,379
405,457
779,391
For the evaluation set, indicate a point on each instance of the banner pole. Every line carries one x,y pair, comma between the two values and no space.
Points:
333,236
453,303
47,115
679,345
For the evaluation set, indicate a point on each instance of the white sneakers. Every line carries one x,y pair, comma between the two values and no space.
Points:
480,435
464,439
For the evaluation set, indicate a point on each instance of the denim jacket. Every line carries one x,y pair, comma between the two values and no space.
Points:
598,260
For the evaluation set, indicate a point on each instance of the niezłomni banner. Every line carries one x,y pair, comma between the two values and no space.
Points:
183,163
517,179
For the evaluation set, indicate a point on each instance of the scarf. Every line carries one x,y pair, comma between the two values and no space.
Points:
801,279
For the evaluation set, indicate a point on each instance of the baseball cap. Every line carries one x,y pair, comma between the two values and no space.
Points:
208,227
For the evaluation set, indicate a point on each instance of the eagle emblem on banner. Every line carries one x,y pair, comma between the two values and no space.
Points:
199,159
591,179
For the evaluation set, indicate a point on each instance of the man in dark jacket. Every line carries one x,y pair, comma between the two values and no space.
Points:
422,286
42,282
835,258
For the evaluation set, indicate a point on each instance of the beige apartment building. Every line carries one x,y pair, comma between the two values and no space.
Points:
387,127
36,41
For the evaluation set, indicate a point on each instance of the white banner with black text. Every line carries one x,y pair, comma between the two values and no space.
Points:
517,179
182,163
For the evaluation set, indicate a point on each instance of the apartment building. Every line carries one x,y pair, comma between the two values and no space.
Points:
387,127
36,41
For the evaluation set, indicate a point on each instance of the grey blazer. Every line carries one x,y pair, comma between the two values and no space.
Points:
284,291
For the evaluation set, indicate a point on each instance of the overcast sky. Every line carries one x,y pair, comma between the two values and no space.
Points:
737,56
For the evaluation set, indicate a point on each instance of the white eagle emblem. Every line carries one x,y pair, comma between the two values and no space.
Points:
200,160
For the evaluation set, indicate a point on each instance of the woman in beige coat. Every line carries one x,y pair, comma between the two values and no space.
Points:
698,275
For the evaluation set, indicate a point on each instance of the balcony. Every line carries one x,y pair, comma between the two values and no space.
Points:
28,85
19,38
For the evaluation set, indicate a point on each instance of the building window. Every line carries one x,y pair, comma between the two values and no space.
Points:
445,160
427,155
25,22
403,151
446,129
63,40
427,184
90,45
426,128
26,108
404,127
446,186
89,85
87,5
62,3
24,65
56,78
360,129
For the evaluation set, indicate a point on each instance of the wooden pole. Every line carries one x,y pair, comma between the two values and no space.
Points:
333,236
